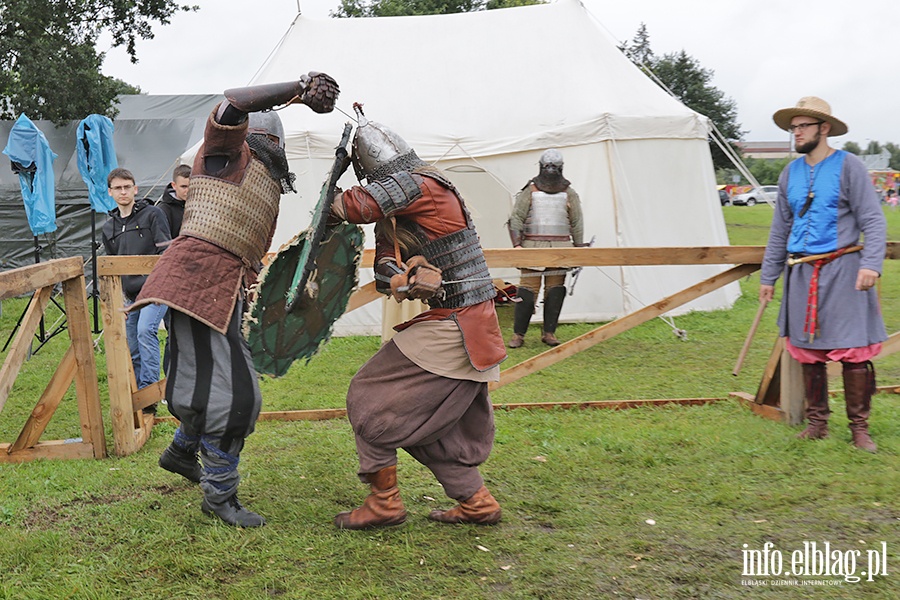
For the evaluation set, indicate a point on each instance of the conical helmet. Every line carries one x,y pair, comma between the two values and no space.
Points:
378,151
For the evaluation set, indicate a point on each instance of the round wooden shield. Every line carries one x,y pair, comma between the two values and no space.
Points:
278,337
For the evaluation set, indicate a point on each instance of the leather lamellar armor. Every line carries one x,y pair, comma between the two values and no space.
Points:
395,192
235,217
548,218
467,280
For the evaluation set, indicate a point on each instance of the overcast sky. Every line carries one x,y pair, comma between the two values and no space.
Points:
766,54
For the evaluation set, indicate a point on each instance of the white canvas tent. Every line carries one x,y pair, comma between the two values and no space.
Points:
482,95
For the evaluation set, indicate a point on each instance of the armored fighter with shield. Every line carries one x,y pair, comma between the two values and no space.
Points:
238,177
426,390
547,214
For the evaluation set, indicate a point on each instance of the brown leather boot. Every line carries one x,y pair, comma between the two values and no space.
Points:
382,508
859,385
480,509
549,339
517,340
815,379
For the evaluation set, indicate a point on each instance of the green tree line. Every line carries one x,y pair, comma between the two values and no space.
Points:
687,80
767,170
49,63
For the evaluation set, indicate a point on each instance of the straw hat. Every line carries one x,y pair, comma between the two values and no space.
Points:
810,106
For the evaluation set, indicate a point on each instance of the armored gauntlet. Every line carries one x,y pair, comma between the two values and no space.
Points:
320,92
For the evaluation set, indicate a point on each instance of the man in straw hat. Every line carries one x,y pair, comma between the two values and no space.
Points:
830,308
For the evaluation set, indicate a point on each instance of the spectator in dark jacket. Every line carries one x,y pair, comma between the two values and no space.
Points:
172,201
172,205
136,227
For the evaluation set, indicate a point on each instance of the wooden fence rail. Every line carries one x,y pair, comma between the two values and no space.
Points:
125,401
131,427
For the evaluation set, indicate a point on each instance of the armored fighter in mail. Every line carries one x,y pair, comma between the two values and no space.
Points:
426,390
547,214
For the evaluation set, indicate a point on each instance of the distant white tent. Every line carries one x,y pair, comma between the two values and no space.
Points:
482,95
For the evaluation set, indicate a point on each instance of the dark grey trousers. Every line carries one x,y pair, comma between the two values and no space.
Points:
212,389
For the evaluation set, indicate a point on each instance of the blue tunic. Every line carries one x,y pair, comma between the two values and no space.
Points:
844,207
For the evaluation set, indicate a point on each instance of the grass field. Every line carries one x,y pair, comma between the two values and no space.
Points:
652,503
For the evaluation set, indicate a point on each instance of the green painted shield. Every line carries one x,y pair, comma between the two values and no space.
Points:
277,338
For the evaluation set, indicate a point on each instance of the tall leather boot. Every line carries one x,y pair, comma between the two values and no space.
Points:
815,380
859,385
522,318
480,509
553,303
382,508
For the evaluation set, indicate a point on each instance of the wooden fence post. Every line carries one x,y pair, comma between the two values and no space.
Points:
793,392
127,424
75,297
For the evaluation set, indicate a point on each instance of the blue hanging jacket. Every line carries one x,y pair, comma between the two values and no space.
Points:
96,158
29,150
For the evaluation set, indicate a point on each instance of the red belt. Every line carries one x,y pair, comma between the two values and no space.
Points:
812,299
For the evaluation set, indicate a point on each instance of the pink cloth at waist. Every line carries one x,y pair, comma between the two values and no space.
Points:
809,356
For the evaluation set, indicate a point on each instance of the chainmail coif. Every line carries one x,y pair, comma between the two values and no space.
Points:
550,180
275,160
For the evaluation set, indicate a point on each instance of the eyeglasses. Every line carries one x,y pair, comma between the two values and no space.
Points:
803,126
122,188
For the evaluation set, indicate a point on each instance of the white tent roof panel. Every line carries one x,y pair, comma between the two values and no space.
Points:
482,95
492,81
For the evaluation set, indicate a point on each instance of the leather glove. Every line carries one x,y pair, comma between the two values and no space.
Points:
424,278
333,219
400,286
320,91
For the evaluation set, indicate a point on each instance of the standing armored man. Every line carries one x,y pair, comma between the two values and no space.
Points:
426,390
547,214
829,309
238,177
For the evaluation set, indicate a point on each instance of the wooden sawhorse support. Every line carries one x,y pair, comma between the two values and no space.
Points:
77,364
782,396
